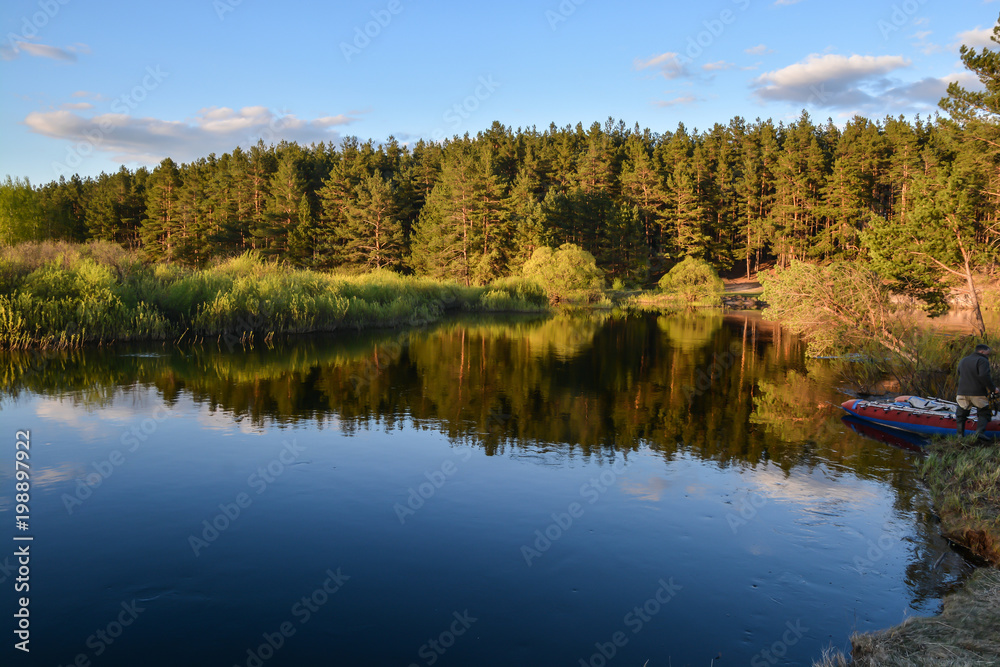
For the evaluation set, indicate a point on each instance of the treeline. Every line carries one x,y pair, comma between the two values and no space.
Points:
474,208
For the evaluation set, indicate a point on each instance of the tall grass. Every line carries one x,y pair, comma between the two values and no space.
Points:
64,295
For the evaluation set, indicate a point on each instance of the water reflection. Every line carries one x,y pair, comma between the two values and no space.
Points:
693,403
730,388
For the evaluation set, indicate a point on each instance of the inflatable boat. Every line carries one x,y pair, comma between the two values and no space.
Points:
913,414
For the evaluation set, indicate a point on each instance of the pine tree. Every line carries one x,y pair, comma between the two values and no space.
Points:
371,234
524,219
193,234
161,224
642,189
282,215
451,238
938,239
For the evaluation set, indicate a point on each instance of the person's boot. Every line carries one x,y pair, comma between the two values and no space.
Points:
961,415
983,420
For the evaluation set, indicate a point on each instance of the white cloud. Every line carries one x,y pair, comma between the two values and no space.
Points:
779,3
976,38
759,50
717,66
42,51
671,65
149,140
685,99
921,42
829,80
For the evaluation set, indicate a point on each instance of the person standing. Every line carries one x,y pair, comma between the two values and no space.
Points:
975,387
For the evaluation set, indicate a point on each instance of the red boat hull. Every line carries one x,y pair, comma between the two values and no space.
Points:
905,418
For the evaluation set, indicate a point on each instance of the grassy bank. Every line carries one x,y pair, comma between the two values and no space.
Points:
964,480
965,483
964,634
64,295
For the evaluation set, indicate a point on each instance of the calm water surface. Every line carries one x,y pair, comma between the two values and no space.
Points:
578,490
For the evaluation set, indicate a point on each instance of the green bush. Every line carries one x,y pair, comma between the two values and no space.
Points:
693,281
568,271
514,294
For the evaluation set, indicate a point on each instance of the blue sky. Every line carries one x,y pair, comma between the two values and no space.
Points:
86,87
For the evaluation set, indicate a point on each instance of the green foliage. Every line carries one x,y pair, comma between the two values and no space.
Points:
937,240
93,293
20,213
514,294
694,281
76,304
838,307
568,271
965,484
474,208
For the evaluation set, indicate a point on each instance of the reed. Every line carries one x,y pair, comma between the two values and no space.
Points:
59,295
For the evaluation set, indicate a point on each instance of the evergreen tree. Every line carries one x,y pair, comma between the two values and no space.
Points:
459,230
938,239
371,234
286,192
161,225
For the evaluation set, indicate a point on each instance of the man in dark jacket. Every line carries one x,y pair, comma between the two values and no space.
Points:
975,387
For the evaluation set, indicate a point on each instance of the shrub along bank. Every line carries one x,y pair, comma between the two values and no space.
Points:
63,295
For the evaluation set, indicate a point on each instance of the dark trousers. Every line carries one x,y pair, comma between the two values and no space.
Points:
984,416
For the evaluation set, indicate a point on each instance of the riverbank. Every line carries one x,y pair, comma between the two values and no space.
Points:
964,480
100,294
963,634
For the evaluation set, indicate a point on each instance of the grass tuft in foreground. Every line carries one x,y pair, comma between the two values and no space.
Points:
963,635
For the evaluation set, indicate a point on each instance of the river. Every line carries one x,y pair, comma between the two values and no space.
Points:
581,489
